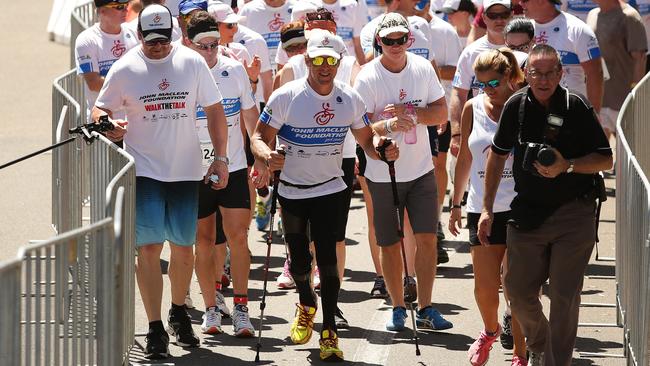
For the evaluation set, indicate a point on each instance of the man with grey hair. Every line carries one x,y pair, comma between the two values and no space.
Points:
559,148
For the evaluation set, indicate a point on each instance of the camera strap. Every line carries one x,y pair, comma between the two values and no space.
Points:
522,109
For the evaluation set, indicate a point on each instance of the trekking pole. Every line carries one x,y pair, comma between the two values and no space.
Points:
83,130
400,231
269,241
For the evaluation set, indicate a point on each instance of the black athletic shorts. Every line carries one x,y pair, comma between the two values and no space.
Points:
361,156
235,195
433,139
348,178
499,228
444,140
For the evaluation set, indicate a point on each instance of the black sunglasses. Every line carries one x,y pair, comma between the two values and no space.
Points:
395,41
494,16
162,41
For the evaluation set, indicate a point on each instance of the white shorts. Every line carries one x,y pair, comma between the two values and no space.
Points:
608,118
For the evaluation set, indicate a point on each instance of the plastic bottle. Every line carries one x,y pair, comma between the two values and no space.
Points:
410,136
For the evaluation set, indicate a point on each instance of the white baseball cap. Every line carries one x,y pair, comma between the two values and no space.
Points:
301,8
324,43
488,3
392,23
223,13
155,22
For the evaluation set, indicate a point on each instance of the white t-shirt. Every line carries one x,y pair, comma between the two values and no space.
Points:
343,74
96,51
267,21
446,46
237,50
160,99
374,9
578,8
420,38
575,42
313,128
416,84
232,81
480,143
255,45
349,21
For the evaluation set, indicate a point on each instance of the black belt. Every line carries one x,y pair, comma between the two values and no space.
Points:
305,186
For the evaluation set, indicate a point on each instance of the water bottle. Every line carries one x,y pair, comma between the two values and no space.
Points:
411,136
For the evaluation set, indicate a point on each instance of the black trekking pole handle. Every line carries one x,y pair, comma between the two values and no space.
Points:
381,149
84,130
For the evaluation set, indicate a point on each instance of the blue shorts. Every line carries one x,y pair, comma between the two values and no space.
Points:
165,211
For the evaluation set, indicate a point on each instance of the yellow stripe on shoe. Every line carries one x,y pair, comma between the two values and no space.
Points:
329,346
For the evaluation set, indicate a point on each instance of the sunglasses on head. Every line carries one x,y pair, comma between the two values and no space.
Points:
319,60
319,15
119,7
395,41
161,41
492,84
205,47
500,15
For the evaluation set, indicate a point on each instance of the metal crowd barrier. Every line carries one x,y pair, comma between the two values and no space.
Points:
633,223
83,16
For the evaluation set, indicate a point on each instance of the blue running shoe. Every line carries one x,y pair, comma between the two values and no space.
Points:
262,208
398,319
430,318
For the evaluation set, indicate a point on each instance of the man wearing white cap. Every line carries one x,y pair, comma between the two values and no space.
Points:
391,85
159,85
99,46
310,118
496,16
133,24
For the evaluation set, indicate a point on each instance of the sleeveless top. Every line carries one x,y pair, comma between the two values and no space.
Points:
480,143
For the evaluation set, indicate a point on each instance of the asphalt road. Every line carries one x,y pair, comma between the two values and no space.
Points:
29,64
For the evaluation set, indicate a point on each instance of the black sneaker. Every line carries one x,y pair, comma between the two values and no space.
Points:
180,325
410,289
506,332
379,289
157,346
339,320
441,233
443,257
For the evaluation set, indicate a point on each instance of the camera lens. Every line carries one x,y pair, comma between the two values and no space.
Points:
546,157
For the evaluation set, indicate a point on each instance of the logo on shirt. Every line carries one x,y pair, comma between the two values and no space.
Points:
118,48
411,40
402,94
542,38
276,23
156,19
339,99
325,116
224,73
163,85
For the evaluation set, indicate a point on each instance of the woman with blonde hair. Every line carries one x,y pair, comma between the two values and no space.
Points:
498,75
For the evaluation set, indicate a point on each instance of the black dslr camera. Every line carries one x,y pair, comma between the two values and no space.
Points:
542,152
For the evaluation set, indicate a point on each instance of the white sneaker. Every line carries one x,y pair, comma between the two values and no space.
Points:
188,301
316,278
211,321
284,280
241,322
221,305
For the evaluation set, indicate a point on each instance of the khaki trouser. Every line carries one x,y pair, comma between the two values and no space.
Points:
558,250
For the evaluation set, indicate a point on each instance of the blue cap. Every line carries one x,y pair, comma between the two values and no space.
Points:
421,5
187,6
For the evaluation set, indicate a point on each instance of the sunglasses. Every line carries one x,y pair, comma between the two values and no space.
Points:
154,42
230,25
492,84
205,47
319,60
519,47
494,16
395,41
118,7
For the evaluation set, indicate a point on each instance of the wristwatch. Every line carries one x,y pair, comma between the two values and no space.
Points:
223,159
571,166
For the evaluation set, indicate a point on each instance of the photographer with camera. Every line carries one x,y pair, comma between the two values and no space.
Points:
559,147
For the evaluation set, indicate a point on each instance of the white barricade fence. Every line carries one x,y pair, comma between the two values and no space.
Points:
633,223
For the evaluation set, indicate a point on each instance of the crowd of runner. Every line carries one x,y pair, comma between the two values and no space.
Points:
514,101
